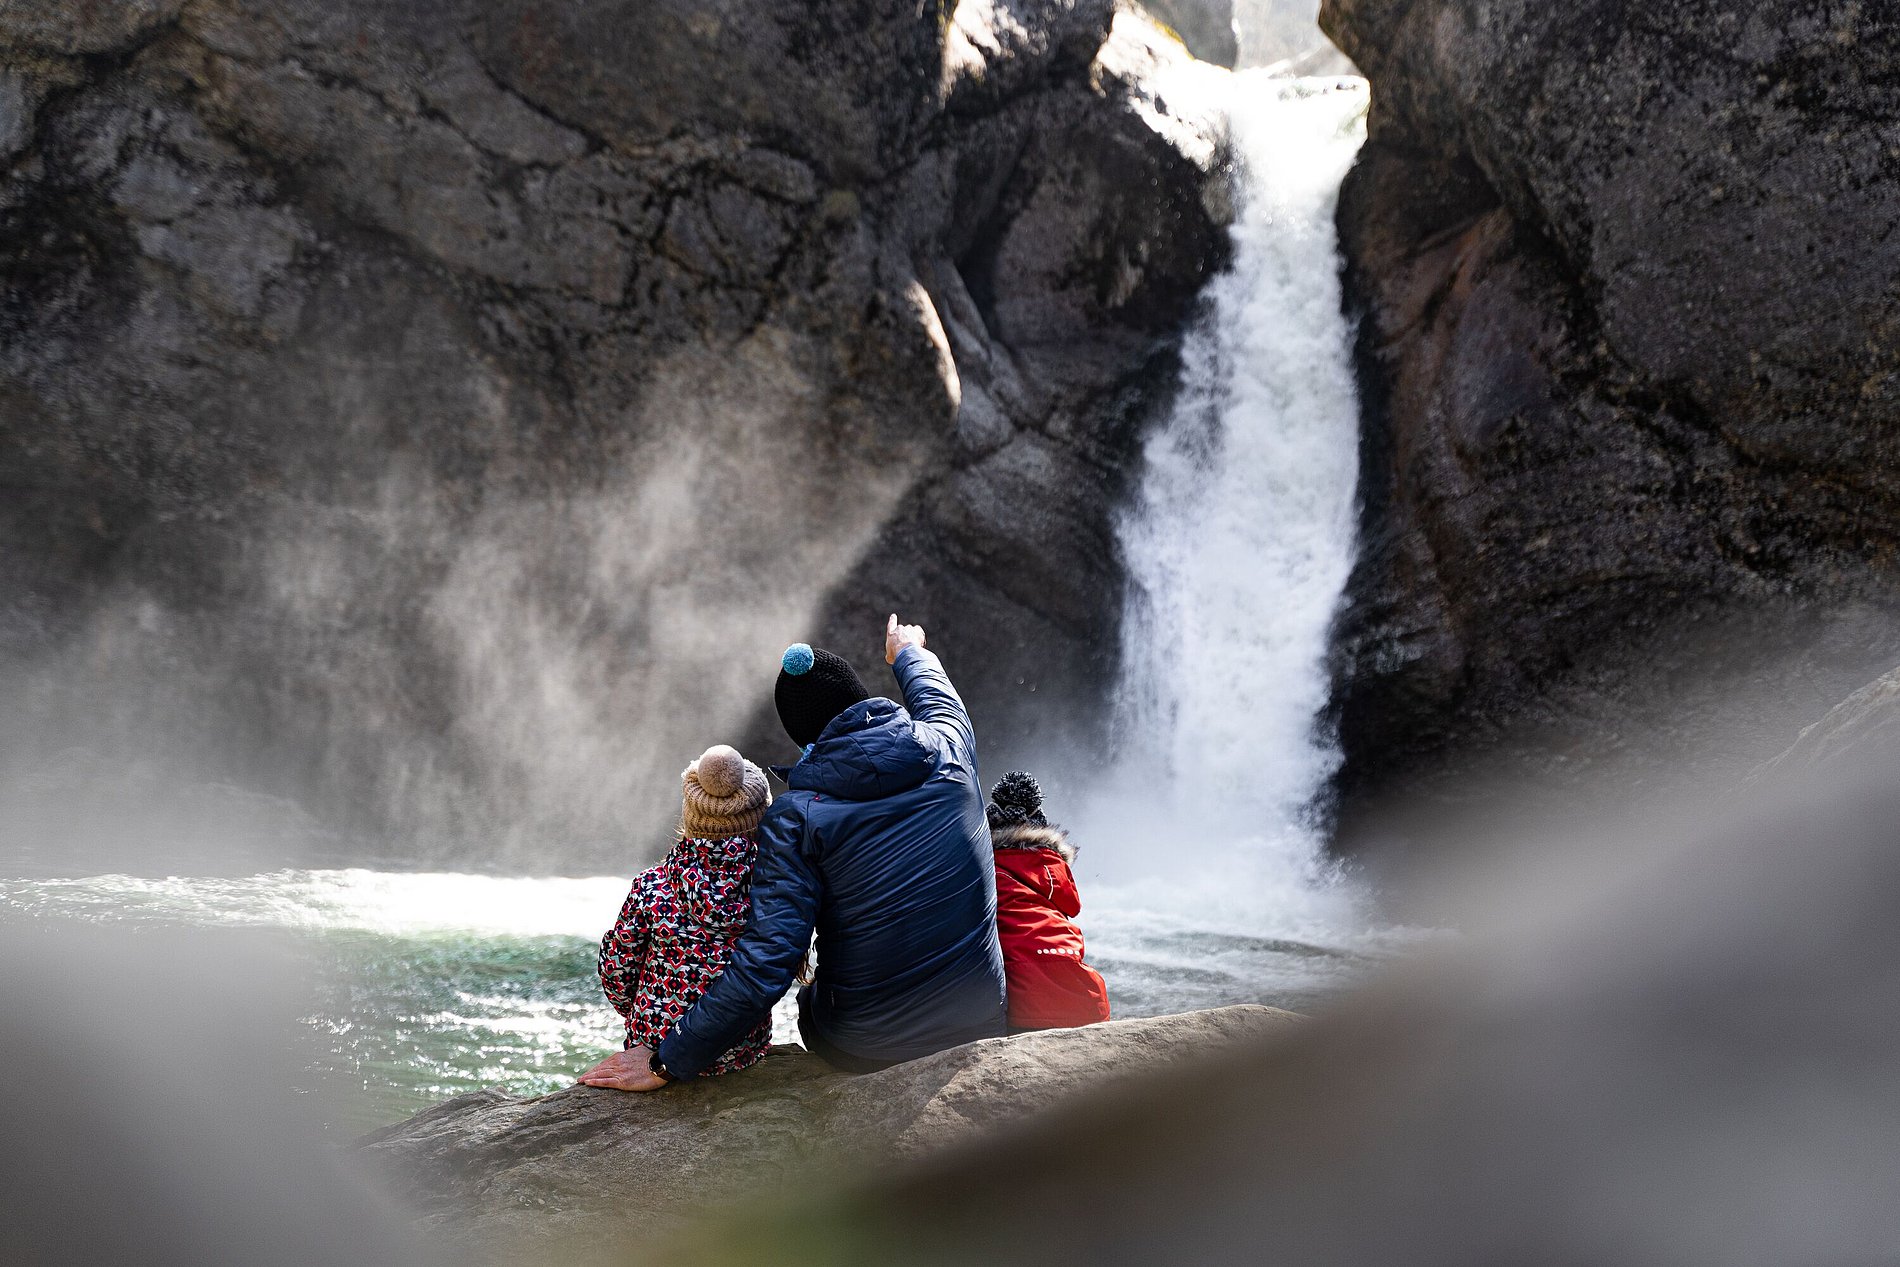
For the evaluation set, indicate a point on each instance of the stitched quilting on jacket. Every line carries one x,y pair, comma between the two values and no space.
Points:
674,937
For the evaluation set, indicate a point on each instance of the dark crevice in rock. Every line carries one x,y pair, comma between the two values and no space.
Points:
596,143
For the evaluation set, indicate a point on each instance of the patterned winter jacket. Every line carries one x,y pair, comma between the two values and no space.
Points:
674,937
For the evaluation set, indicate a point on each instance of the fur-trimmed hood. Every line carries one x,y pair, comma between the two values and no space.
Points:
1031,836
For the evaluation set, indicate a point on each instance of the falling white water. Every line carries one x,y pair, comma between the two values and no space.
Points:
1238,545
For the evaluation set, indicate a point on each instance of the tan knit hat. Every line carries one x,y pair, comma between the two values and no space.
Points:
725,795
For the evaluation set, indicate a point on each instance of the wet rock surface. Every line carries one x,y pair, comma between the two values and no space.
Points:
1628,288
588,1169
393,397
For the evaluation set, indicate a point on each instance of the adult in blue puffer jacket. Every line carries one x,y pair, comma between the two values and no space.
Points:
882,847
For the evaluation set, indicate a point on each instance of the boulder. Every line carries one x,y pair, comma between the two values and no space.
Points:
590,1170
444,415
1205,26
1631,413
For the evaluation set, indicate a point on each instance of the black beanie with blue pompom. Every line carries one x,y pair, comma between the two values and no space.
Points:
814,686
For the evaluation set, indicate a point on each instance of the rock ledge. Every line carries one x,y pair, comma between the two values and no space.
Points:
503,1174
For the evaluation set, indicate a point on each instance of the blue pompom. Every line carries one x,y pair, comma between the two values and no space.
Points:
798,659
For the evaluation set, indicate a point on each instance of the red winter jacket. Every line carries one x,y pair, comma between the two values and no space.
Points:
1036,905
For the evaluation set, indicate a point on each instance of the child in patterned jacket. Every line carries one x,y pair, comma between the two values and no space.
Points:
675,932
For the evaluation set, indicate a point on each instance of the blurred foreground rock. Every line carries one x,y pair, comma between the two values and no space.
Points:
193,1150
589,1172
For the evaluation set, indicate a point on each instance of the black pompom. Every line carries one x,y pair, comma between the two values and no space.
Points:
1017,798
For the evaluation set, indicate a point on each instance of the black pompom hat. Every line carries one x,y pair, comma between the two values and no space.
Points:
1016,801
814,686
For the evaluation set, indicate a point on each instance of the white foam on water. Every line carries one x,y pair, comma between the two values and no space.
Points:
354,899
1238,545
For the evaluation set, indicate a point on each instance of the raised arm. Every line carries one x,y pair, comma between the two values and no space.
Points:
766,957
927,690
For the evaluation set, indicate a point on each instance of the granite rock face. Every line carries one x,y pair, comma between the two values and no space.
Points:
588,1170
1633,418
392,398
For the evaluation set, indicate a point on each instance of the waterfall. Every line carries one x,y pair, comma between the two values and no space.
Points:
1239,541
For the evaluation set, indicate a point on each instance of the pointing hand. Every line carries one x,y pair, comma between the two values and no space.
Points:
897,637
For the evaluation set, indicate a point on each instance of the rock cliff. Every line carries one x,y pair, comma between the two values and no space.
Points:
1628,286
590,1171
443,414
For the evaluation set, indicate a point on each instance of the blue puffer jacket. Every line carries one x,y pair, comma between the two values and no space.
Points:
882,847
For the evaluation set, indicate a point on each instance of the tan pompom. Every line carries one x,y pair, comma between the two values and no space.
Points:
723,795
721,770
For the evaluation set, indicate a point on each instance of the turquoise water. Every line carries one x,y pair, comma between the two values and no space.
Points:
424,986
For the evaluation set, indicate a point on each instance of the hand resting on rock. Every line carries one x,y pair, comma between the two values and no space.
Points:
629,1070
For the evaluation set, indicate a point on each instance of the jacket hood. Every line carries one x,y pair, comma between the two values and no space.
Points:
869,751
728,851
1031,836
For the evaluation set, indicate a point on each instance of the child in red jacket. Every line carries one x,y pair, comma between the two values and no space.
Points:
1036,905
675,932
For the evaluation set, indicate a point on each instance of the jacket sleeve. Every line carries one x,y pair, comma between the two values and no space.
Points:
766,957
934,702
621,952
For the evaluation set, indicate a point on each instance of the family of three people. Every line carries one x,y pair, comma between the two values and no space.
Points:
939,920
